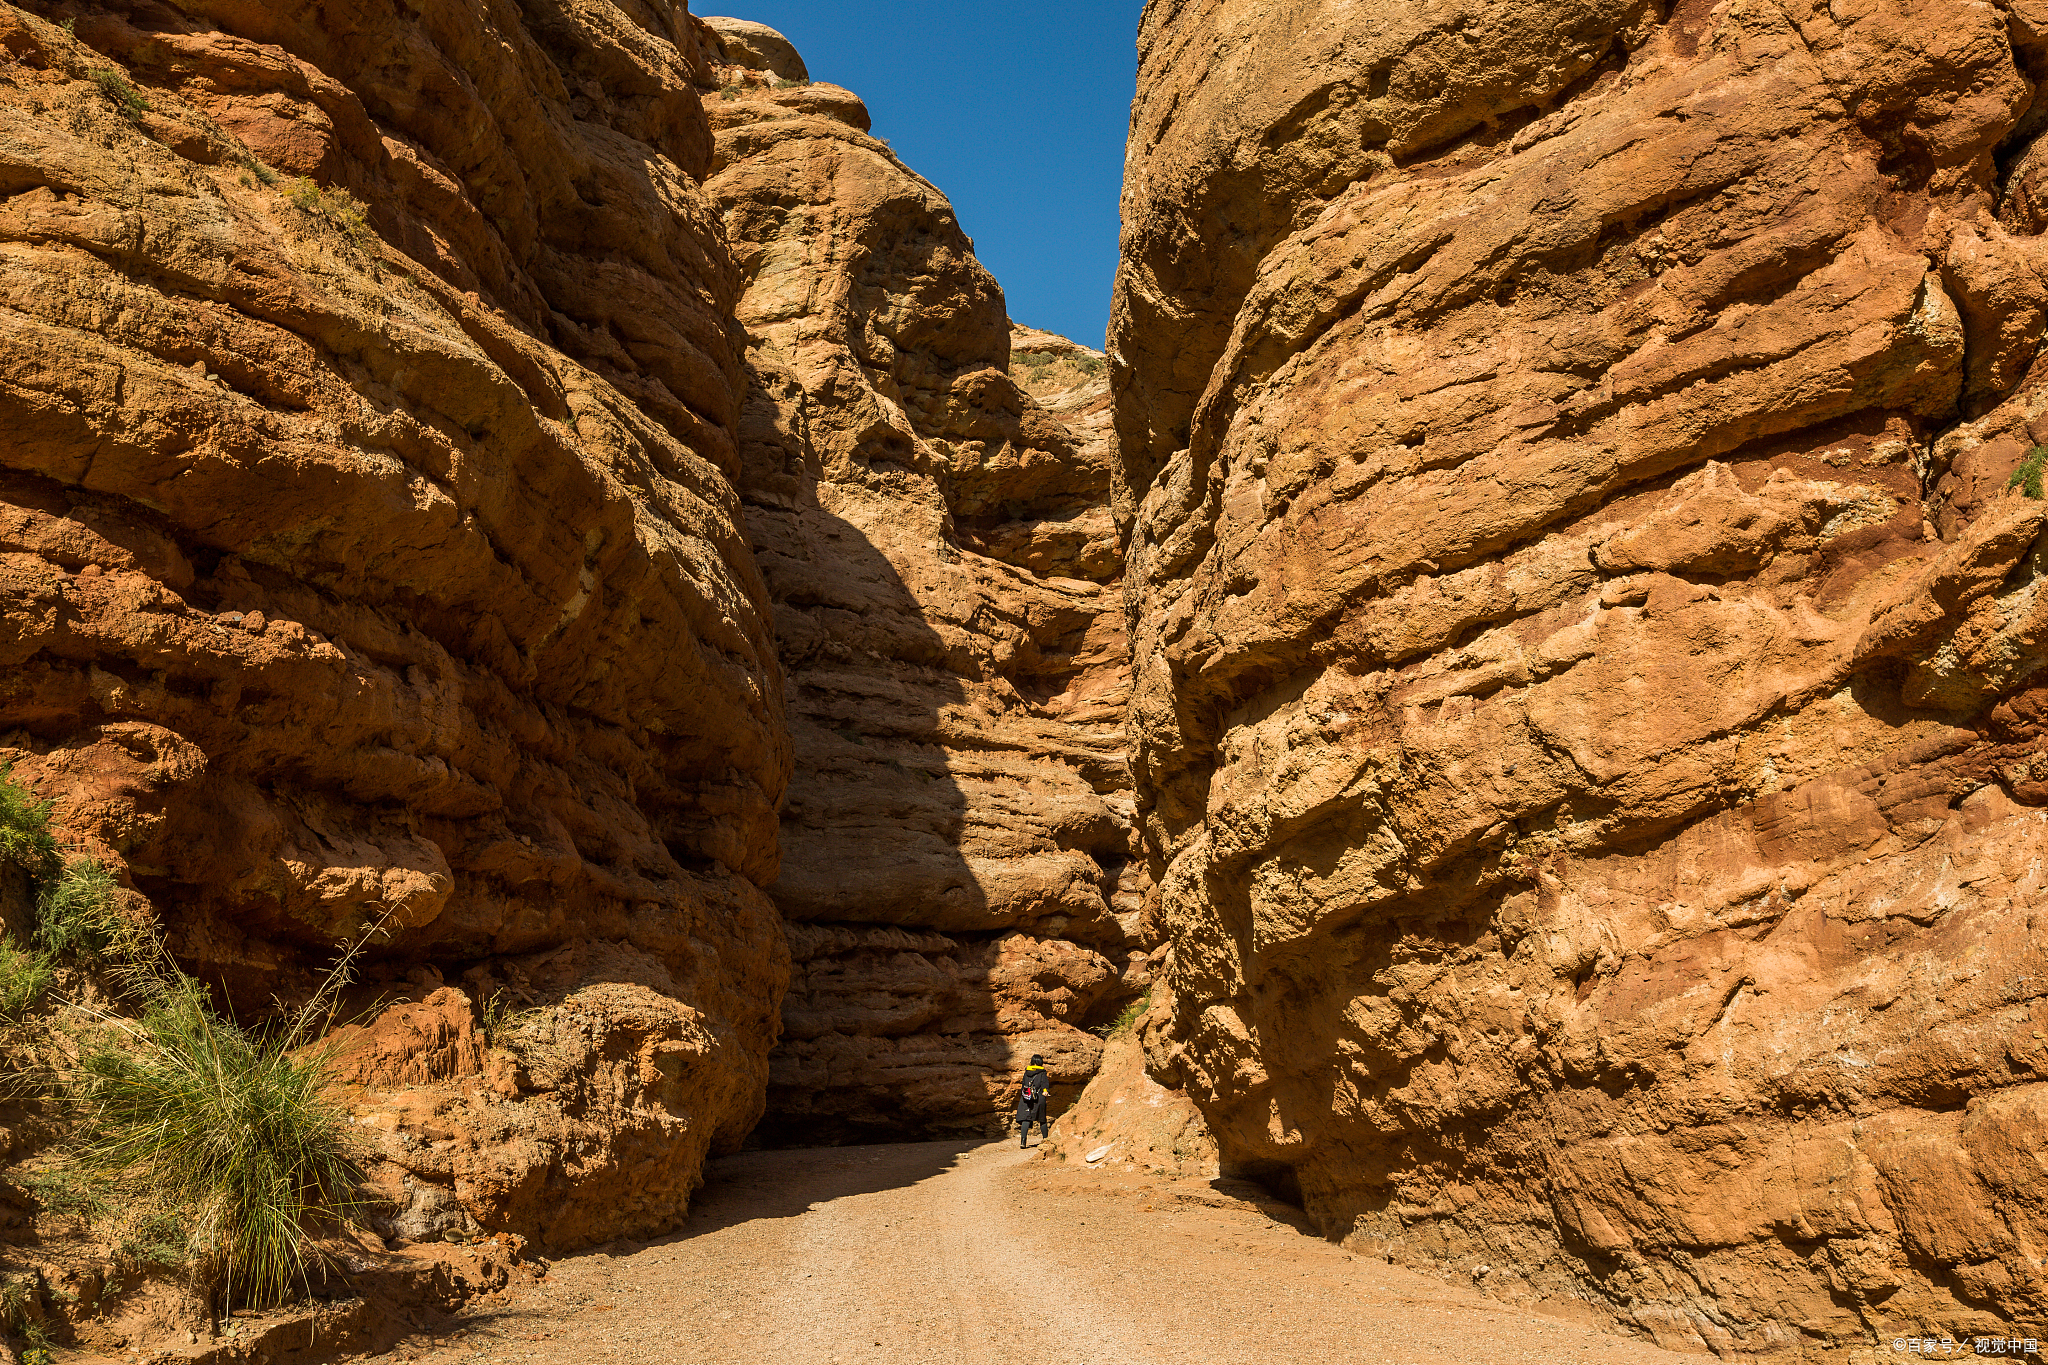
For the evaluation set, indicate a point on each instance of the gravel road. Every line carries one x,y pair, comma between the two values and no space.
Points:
971,1255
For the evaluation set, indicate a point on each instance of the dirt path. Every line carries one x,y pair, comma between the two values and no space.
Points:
971,1255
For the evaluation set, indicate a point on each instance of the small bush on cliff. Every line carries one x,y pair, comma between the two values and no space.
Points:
499,1023
77,916
2027,478
25,838
335,207
183,1113
121,94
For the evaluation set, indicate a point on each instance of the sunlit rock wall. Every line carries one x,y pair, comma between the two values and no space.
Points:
1585,710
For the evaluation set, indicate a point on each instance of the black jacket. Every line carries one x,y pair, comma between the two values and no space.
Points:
1035,1081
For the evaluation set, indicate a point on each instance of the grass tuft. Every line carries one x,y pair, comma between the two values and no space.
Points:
184,1114
1128,1019
25,975
19,1319
123,96
2027,478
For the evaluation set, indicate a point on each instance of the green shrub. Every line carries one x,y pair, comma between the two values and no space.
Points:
77,916
184,1114
2027,478
24,976
25,838
121,94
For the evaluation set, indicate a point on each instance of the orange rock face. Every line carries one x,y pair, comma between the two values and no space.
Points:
1586,650
383,565
957,849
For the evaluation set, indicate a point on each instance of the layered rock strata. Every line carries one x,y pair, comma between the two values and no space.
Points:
370,556
1586,701
957,846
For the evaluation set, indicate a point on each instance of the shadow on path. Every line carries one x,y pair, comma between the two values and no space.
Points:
782,1183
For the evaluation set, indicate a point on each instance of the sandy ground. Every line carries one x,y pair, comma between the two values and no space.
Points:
942,1252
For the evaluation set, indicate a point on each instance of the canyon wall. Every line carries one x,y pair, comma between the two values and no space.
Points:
1586,711
957,849
371,558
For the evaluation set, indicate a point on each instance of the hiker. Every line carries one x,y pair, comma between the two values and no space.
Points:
1031,1101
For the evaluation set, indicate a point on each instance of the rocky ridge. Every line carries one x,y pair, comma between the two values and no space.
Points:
1586,721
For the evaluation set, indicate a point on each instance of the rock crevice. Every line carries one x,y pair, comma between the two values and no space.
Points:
928,494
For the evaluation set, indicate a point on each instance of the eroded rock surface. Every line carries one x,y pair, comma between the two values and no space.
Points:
1585,706
383,566
1125,1120
957,847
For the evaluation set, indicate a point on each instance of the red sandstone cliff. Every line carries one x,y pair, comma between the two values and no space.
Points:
385,563
456,466
1586,654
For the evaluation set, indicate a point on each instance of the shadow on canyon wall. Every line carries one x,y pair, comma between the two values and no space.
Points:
927,891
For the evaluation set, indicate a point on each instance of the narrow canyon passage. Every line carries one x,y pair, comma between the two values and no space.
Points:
971,1253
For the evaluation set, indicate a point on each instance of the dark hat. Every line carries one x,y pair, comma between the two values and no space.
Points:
1038,1061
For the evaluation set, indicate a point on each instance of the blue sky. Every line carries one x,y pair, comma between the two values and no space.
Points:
1017,112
